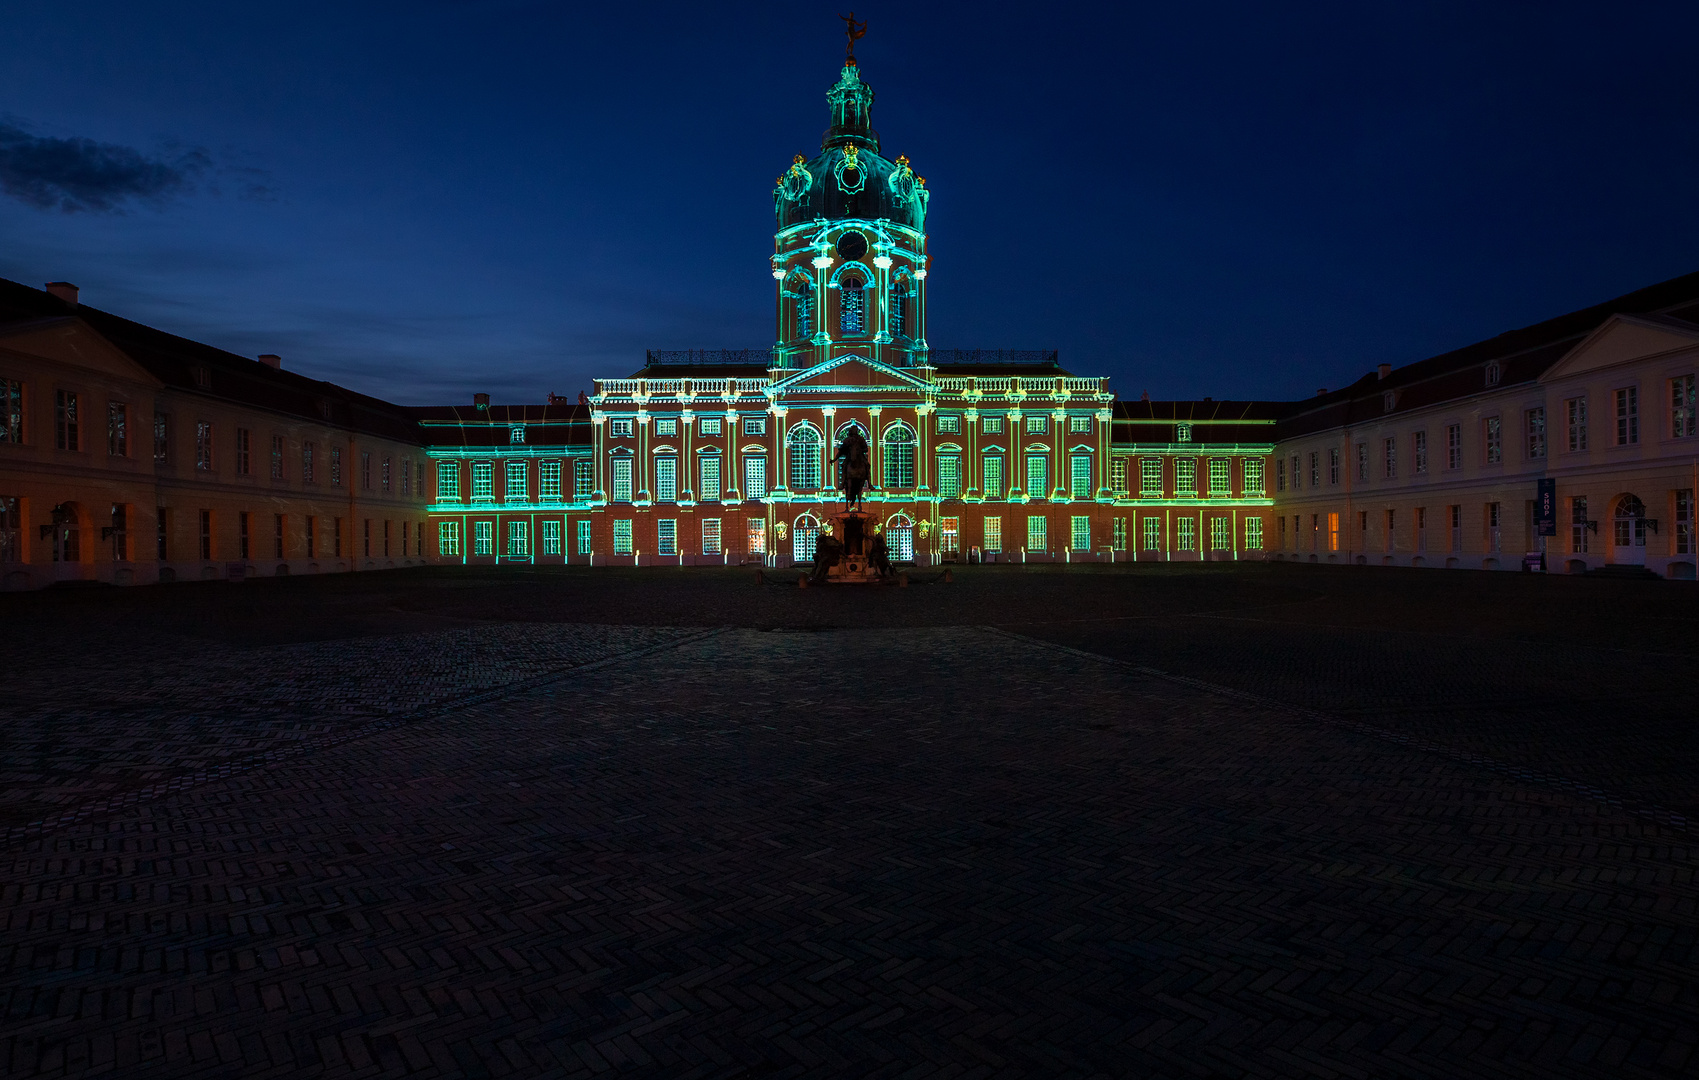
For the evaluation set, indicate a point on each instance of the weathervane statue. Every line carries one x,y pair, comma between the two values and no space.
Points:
854,31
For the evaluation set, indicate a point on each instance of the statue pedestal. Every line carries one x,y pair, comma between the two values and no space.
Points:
854,530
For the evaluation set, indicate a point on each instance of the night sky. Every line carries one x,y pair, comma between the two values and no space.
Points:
424,200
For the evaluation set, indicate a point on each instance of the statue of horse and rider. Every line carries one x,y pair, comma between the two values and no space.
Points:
854,477
854,472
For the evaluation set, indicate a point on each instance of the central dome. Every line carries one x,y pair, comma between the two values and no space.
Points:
849,178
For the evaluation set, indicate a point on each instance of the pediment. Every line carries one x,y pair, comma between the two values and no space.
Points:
848,374
1623,339
69,340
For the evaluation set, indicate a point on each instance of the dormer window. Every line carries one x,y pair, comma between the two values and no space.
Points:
202,377
1182,433
516,434
1493,373
1389,400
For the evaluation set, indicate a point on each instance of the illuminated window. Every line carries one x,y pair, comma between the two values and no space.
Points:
899,456
516,434
550,537
993,535
620,429
1220,477
1118,475
949,536
710,536
755,536
1037,476
1079,424
1494,433
622,537
12,416
518,539
899,311
754,476
666,536
852,305
1456,528
584,545
1534,430
482,481
1333,532
11,526
1627,416
1036,540
805,316
583,480
804,445
755,425
666,478
67,430
517,488
993,465
1454,446
1684,420
548,481
710,489
483,538
666,427
1576,413
386,475
899,539
1252,467
1079,532
117,429
708,427
1182,433
949,424
161,434
1037,425
1220,533
203,444
448,537
1187,533
1419,452
1684,521
1253,534
949,476
1118,536
1079,476
1150,477
991,425
448,481
804,535
622,479
1185,477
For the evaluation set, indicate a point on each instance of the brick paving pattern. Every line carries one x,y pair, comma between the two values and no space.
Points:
895,852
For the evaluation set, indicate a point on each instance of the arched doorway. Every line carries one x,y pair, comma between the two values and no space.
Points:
899,538
803,536
1628,532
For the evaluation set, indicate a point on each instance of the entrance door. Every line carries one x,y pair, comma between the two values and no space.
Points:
804,534
899,539
1628,537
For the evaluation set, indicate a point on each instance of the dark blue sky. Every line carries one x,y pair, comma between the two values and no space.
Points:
426,199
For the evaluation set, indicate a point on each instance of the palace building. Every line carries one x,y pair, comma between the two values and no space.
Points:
130,455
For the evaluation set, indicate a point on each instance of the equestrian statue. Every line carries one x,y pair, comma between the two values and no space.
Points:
854,472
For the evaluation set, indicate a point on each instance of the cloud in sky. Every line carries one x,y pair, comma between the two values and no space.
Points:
75,175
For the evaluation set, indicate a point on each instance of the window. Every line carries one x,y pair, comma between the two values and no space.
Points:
483,538
804,442
1493,373
312,539
1684,422
666,536
419,477
710,469
1079,532
386,537
1252,475
1220,533
66,431
710,536
483,481
584,546
383,475
516,485
277,535
1186,477
1333,532
244,457
203,446
1118,475
448,537
548,537
406,481
1315,469
1575,413
1421,528
1297,478
161,437
365,470
516,434
1362,462
1456,528
1153,534
1389,454
1494,511
852,305
1150,477
1037,425
1220,477
518,539
1118,534
949,476
1253,534
11,524
666,478
1280,474
899,312
206,534
242,535
548,482
1333,465
1419,452
1187,533
583,480
448,481
949,424
1037,476
666,427
1454,446
1035,534
1391,528
1079,476
754,476
622,479
1578,524
898,455
1079,425
1494,436
336,466
755,425
1182,433
755,536
619,429
992,528
1534,430
805,316
1684,521
307,465
991,425
12,411
1627,416
993,467
277,457
708,427
117,429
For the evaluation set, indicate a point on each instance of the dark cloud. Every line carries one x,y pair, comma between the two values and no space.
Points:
74,175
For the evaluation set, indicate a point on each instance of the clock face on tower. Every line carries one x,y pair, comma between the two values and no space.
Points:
851,246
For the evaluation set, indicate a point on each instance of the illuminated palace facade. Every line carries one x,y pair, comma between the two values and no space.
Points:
727,457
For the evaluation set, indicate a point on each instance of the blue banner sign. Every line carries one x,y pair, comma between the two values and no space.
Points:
1545,508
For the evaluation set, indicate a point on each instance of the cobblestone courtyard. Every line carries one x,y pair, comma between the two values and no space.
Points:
1220,822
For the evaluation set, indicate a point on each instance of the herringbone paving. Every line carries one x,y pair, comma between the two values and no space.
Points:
922,852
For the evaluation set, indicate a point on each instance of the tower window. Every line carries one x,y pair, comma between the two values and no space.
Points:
852,306
805,316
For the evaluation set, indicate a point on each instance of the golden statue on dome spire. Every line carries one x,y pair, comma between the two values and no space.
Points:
853,31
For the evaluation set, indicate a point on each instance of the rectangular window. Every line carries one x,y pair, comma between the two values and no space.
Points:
620,429
548,482
1150,477
993,464
203,446
242,535
583,480
710,468
516,486
584,545
1333,465
1182,433
1454,446
1389,452
1280,474
1684,521
307,464
12,411
1684,421
1534,428
244,452
1079,476
312,539
336,466
755,425
518,539
1578,524
277,457
949,424
1153,534
755,536
1419,452
1253,534
1037,425
406,482
1220,533
708,426
754,476
1079,532
161,437
66,427
622,479
549,537
1035,534
1421,528
448,538
1456,528
1333,532
1575,416
1118,534
117,429
483,481
1252,467
1494,512
1037,477
206,534
667,427
622,537
277,536
991,425
1297,477
1079,425
1186,477
1493,433
365,470
666,478
483,537
1391,528
11,529
448,481
949,476
1187,529
1627,416
1220,477
383,475
336,536
666,536
711,536
1315,469
993,530
1118,475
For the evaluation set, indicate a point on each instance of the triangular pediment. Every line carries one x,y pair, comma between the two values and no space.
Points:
1623,339
848,375
70,340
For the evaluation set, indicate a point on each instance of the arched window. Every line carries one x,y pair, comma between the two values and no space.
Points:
852,304
804,444
899,538
804,534
901,301
898,455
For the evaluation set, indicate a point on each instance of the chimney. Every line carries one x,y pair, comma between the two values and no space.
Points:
272,361
64,290
1385,370
1322,392
481,402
